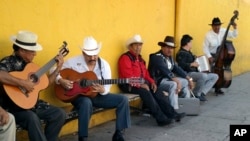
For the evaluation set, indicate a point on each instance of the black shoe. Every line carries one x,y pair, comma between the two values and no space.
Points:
118,136
83,138
179,116
218,91
165,122
202,97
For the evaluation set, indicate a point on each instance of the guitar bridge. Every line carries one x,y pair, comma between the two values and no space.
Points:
24,91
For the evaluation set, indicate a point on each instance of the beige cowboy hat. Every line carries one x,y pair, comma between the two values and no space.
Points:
90,46
135,39
26,40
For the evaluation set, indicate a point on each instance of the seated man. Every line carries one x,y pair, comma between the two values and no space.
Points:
90,61
131,64
25,47
163,69
7,126
186,60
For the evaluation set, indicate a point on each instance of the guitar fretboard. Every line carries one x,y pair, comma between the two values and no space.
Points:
85,83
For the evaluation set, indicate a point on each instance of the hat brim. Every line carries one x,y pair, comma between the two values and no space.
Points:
216,24
163,44
92,52
37,47
133,42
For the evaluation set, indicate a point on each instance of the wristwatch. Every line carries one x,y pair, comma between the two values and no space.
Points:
190,79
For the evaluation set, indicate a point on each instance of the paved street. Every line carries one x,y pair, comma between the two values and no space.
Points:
212,124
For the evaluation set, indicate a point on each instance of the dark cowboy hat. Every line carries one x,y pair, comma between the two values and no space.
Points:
216,21
168,41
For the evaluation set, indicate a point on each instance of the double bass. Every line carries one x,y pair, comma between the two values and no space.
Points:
223,59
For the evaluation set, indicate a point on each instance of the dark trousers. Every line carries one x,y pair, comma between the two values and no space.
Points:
157,103
30,120
164,103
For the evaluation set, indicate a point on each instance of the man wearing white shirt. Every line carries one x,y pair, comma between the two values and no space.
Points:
90,61
213,40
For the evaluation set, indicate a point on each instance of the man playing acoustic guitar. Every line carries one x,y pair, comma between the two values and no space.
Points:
25,46
88,62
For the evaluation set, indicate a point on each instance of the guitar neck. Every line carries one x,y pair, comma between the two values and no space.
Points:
109,81
45,68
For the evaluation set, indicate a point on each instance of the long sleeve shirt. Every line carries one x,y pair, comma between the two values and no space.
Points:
133,68
184,58
213,40
78,64
161,67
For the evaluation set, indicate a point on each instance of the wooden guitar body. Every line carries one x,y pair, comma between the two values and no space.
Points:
37,75
69,95
19,95
82,83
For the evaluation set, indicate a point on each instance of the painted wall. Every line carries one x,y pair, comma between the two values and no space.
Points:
111,22
193,18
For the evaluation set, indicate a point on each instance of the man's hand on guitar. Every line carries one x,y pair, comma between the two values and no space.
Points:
27,85
67,84
98,88
59,60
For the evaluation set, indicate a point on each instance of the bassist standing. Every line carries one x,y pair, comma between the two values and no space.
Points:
213,40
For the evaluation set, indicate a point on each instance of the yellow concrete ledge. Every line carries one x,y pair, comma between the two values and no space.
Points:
72,126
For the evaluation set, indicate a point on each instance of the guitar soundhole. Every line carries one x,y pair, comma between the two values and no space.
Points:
33,78
85,83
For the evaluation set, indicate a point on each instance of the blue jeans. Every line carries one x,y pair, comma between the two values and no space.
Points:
185,92
204,82
171,87
84,106
54,118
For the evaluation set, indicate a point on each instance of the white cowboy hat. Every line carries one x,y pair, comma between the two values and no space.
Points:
135,39
26,40
90,46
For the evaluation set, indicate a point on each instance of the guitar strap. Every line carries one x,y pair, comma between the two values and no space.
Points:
100,66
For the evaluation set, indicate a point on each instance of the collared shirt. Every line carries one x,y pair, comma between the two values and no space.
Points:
9,64
184,58
213,40
12,63
133,68
78,64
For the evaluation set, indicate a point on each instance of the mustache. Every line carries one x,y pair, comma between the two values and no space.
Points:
91,61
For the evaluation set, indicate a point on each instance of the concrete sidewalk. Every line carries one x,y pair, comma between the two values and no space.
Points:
212,124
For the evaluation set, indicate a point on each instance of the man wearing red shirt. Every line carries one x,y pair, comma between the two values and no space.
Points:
130,65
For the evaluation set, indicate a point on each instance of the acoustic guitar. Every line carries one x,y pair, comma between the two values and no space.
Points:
37,75
82,84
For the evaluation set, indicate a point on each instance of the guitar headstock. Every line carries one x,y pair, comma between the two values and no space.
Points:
135,81
63,49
